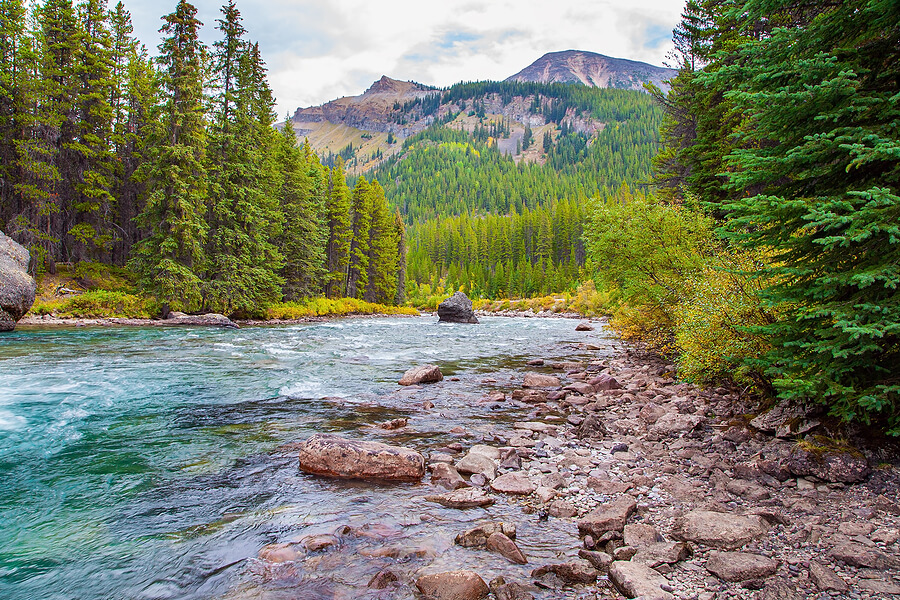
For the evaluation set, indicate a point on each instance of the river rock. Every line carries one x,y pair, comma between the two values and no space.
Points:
641,534
662,553
462,498
445,475
280,553
580,387
826,579
584,327
599,560
513,483
336,456
862,556
17,287
477,537
383,579
456,309
537,380
509,591
675,423
637,580
608,517
832,466
505,547
422,374
453,585
477,463
207,320
576,571
719,530
740,566
605,383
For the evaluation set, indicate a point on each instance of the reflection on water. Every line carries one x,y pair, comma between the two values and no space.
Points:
155,463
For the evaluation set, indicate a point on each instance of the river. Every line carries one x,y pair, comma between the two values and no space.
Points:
153,463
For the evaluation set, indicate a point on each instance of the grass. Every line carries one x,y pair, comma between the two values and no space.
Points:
332,307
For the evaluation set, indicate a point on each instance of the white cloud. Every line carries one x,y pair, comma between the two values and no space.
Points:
319,51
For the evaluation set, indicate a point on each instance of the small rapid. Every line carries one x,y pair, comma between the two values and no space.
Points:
155,463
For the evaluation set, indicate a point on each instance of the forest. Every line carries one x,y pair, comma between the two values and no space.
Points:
768,249
171,166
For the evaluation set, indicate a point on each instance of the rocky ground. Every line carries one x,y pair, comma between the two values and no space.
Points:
676,492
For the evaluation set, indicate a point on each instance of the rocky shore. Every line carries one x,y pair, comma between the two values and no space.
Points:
672,491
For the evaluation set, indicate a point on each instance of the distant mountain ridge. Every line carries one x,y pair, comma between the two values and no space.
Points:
592,69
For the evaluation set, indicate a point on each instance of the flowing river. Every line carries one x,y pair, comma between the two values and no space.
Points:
154,463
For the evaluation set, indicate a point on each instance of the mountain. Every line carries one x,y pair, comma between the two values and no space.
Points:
592,69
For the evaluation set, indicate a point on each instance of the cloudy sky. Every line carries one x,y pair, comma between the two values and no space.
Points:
319,50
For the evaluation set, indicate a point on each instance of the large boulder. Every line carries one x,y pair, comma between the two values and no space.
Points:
337,456
719,530
206,320
422,374
453,585
457,309
17,287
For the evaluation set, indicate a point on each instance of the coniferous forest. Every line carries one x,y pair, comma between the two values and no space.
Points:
172,167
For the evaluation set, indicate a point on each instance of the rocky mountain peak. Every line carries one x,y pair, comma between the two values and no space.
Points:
592,69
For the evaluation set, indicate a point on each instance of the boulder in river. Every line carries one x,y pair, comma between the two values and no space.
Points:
453,585
207,320
337,456
422,374
17,287
456,309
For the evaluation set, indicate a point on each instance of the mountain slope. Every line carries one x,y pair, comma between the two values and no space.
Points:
592,69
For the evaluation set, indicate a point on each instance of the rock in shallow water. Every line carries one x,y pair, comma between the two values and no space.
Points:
453,585
341,457
462,498
422,374
456,309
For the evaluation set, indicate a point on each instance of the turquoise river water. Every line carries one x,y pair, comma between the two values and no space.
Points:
155,463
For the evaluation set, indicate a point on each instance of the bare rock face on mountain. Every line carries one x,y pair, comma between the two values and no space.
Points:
17,287
457,309
594,70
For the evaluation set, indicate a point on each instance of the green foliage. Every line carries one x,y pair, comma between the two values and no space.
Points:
326,307
99,304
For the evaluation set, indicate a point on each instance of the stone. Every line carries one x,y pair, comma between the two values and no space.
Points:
393,424
477,463
609,488
651,413
778,589
882,588
719,530
740,566
580,387
885,535
675,423
624,553
462,498
640,534
314,543
537,380
608,517
502,545
383,579
337,456
456,309
858,555
637,580
599,560
662,553
513,483
477,537
422,374
571,572
535,362
747,490
826,579
446,476
605,383
17,287
453,585
831,466
591,428
851,529
510,591
561,509
583,327
490,452
206,320
280,553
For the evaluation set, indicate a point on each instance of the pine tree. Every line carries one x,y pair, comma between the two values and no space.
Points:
383,255
361,219
169,259
340,232
302,242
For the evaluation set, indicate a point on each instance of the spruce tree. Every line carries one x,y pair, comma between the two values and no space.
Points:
383,255
340,232
169,259
361,220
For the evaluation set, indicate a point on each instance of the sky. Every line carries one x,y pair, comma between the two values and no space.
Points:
319,50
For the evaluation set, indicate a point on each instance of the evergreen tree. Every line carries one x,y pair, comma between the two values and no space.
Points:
383,255
169,259
340,232
361,219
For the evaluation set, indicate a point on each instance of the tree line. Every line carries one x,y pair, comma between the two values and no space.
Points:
776,224
172,165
